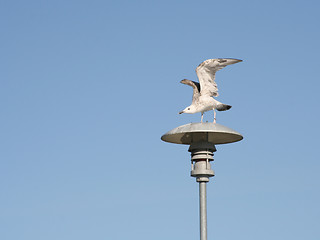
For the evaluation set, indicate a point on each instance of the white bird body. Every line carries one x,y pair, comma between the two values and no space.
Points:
206,89
204,104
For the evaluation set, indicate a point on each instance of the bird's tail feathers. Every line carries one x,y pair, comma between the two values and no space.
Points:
223,107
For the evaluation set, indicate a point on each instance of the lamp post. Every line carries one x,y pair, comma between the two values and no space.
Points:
202,138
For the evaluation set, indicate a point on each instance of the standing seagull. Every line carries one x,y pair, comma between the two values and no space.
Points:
203,93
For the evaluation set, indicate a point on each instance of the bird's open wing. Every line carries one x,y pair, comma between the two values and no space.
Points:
206,72
195,86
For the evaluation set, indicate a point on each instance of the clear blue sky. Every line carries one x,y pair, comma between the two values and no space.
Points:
88,88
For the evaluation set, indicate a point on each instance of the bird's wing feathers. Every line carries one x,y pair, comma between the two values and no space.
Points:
195,86
206,72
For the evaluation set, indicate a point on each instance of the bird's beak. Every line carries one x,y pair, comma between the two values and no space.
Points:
233,61
181,112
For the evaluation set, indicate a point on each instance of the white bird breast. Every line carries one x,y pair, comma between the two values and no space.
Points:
205,104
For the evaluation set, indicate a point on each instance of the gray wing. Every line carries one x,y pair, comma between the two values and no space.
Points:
206,72
195,86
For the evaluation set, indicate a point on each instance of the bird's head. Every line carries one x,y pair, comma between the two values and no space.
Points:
189,109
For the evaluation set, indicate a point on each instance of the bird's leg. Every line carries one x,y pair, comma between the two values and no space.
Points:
214,116
201,116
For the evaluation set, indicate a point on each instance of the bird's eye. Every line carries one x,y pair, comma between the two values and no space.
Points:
188,108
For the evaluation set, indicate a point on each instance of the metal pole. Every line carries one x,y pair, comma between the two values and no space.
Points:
203,210
202,138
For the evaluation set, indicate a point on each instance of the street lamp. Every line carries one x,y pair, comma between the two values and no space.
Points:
202,138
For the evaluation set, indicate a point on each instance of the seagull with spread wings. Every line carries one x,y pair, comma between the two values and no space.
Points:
203,93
